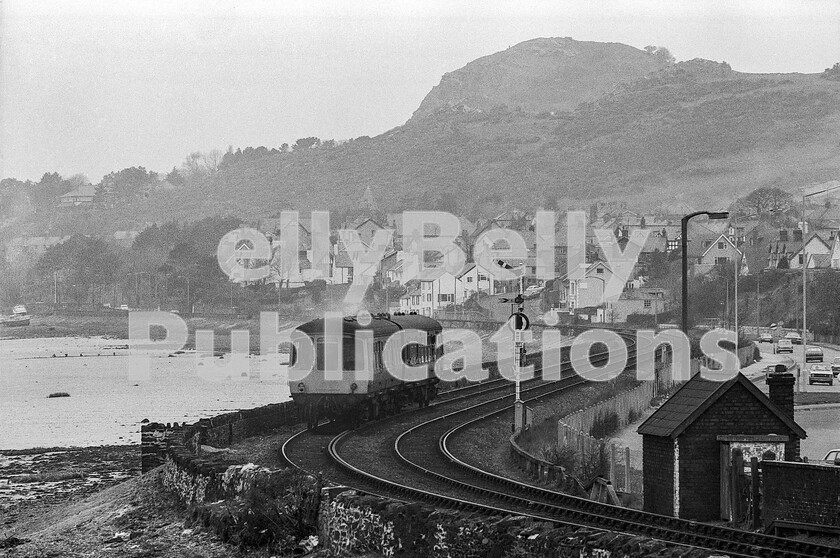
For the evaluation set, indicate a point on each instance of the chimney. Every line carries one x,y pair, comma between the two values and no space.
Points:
781,394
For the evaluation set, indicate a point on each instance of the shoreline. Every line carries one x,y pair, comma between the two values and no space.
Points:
33,481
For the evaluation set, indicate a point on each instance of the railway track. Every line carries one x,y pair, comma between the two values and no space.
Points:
408,457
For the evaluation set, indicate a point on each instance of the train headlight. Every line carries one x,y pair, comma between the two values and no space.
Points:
301,387
353,386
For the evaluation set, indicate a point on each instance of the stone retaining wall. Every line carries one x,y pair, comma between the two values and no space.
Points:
351,523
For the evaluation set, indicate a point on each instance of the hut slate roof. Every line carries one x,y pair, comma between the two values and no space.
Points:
695,396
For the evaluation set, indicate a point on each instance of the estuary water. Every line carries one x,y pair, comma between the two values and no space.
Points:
106,404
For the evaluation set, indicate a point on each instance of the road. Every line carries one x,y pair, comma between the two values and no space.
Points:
821,422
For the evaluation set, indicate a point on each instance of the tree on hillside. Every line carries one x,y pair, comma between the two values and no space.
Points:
83,264
46,192
761,202
306,143
193,166
832,73
175,177
661,52
127,183
213,160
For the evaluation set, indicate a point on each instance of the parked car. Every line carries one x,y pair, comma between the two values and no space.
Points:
765,338
814,354
794,337
783,346
532,291
835,366
833,456
820,373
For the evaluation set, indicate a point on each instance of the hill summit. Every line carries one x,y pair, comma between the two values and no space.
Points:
552,123
541,75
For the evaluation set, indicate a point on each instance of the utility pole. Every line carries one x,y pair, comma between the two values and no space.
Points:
758,301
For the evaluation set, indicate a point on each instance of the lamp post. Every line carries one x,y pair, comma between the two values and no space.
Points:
189,308
684,242
804,270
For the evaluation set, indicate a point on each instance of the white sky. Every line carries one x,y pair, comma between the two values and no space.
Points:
97,86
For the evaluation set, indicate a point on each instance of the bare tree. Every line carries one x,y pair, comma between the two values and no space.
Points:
763,201
193,165
212,161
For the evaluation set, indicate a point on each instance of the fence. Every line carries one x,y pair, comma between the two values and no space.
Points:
574,431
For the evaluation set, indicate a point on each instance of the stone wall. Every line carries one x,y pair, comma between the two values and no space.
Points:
800,492
351,523
220,431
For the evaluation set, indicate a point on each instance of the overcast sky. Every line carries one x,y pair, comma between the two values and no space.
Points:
90,87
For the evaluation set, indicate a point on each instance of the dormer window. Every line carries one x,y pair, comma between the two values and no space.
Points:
797,235
783,236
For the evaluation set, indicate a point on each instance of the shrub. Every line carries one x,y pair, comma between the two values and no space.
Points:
58,394
604,424
564,456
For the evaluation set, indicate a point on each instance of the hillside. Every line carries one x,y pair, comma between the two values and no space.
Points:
502,132
540,75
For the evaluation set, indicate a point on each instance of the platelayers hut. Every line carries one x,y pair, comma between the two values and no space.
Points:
689,441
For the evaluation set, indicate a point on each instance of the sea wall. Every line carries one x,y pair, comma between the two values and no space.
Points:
219,432
352,523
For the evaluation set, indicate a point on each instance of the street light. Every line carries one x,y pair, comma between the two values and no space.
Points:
804,270
684,239
189,308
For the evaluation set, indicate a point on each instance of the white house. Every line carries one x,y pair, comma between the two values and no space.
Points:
410,301
718,252
817,250
587,291
474,278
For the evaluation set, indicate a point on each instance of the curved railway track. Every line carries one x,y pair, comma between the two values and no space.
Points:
408,457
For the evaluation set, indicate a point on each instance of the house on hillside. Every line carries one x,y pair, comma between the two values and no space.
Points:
690,442
648,301
410,301
367,229
587,291
440,292
476,279
81,196
818,251
720,251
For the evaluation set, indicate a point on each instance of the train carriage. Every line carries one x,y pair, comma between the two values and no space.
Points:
375,392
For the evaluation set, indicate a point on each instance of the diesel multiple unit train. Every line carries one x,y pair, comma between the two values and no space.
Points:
358,397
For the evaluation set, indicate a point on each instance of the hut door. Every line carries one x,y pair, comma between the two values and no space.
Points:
725,477
732,482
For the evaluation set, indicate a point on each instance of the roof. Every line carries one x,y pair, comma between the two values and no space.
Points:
810,239
83,191
821,260
342,259
718,239
693,399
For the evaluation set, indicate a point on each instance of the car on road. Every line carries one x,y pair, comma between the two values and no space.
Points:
835,366
532,291
784,346
820,373
814,354
765,338
794,337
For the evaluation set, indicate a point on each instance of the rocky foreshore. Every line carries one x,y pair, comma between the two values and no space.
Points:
32,481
